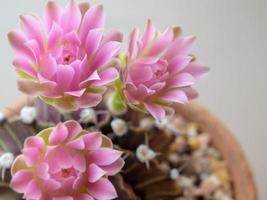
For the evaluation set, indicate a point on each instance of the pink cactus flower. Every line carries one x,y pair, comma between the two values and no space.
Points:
159,70
66,162
65,58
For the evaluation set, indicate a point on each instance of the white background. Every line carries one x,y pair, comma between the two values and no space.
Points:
231,41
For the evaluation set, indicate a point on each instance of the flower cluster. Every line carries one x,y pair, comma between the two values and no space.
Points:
66,162
67,60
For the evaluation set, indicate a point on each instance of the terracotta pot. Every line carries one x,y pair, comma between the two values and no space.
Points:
221,137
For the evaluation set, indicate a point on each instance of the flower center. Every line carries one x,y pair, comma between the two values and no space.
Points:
65,173
68,59
158,73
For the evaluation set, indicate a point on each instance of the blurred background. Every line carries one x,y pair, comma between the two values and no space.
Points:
231,40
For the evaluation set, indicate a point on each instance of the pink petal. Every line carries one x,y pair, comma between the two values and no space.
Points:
114,168
76,144
68,183
34,141
89,100
196,70
181,80
24,64
17,40
93,18
102,189
74,128
63,158
133,43
64,77
92,140
177,96
191,93
55,35
107,76
29,87
33,29
42,171
31,155
79,162
94,173
149,33
83,197
20,180
181,45
73,38
106,53
104,156
92,77
155,110
131,99
51,185
33,46
136,72
77,93
71,17
58,135
33,191
112,36
157,86
46,82
178,63
161,43
52,14
93,41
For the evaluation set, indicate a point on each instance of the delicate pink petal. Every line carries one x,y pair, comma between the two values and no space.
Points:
77,93
181,45
46,82
33,191
92,140
94,76
155,110
89,100
133,42
182,80
31,155
33,29
76,144
59,134
29,87
191,93
42,171
74,128
114,168
112,36
24,64
131,99
95,173
55,35
64,77
34,141
52,14
196,70
93,18
136,72
51,185
149,33
158,86
93,41
17,40
106,53
177,96
102,189
79,162
33,46
107,76
20,180
161,43
104,156
71,17
65,160
178,63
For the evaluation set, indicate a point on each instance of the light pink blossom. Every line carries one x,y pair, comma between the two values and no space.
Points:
159,70
66,162
65,57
